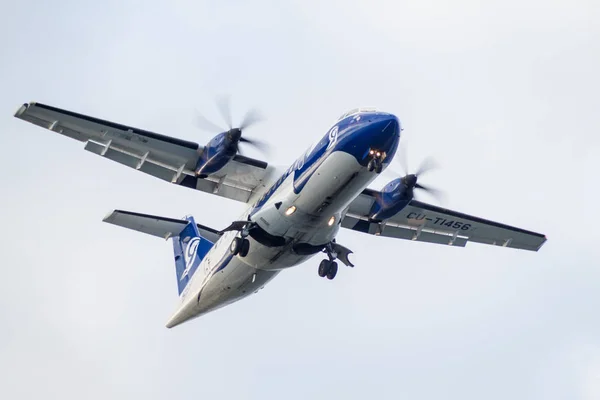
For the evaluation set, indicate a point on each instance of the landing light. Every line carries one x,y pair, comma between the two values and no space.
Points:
290,210
376,153
331,221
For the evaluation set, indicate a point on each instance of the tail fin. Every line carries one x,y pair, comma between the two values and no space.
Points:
189,248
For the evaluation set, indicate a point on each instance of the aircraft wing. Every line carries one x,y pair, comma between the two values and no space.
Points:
427,223
164,157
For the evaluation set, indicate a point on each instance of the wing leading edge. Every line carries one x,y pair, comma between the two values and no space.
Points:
164,157
427,223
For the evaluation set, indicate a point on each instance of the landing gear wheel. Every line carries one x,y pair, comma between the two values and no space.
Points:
328,269
236,245
324,268
245,247
332,270
371,165
375,165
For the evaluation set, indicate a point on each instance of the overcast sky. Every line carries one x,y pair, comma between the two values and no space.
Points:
504,95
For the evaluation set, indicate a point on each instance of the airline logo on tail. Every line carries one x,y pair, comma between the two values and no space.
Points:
190,256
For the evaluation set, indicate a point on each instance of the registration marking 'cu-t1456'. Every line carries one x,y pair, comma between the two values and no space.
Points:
440,221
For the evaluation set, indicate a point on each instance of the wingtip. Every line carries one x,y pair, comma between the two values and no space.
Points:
108,216
543,243
22,109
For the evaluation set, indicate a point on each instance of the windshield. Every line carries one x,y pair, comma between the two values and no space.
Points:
357,111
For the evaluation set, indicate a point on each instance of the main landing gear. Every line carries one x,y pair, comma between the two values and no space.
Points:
328,268
376,162
240,245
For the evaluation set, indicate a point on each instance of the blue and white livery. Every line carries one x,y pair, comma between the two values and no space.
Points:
292,213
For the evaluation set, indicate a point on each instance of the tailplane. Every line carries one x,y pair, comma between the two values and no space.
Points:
191,241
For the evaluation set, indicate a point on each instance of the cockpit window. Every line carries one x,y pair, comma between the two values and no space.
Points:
368,109
356,111
347,114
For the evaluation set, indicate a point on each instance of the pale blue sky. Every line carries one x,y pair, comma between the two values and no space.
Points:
505,95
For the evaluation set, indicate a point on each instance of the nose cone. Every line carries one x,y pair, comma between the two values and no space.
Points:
384,127
381,133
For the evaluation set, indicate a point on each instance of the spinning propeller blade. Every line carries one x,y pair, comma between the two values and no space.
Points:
427,165
207,125
224,106
250,118
258,144
438,194
411,180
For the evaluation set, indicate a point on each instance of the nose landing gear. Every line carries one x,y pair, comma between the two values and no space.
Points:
376,162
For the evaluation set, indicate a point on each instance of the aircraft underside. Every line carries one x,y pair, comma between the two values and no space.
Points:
292,239
292,216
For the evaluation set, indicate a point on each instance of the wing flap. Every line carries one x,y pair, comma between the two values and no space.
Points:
143,163
402,232
211,185
123,158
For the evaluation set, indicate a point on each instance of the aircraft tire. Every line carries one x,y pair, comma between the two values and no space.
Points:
371,165
236,245
332,270
244,248
324,268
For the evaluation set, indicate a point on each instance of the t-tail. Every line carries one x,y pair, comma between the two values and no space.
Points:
191,242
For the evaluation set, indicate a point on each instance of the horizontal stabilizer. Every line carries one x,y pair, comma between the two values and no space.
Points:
156,226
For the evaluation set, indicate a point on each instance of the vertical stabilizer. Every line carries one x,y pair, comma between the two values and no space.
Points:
189,249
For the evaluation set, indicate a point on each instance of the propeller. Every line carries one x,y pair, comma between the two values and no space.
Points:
411,181
251,117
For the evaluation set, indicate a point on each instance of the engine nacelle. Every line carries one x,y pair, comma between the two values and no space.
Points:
217,153
391,199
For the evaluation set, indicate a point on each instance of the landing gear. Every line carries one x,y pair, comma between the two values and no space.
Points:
376,162
240,246
245,248
328,268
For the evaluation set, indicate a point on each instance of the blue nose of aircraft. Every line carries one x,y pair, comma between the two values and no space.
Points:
379,134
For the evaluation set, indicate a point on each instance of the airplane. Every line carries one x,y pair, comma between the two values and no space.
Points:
292,213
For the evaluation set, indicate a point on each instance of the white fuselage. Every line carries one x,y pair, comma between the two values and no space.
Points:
340,178
332,185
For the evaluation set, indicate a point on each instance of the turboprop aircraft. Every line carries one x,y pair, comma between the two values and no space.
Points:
292,214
